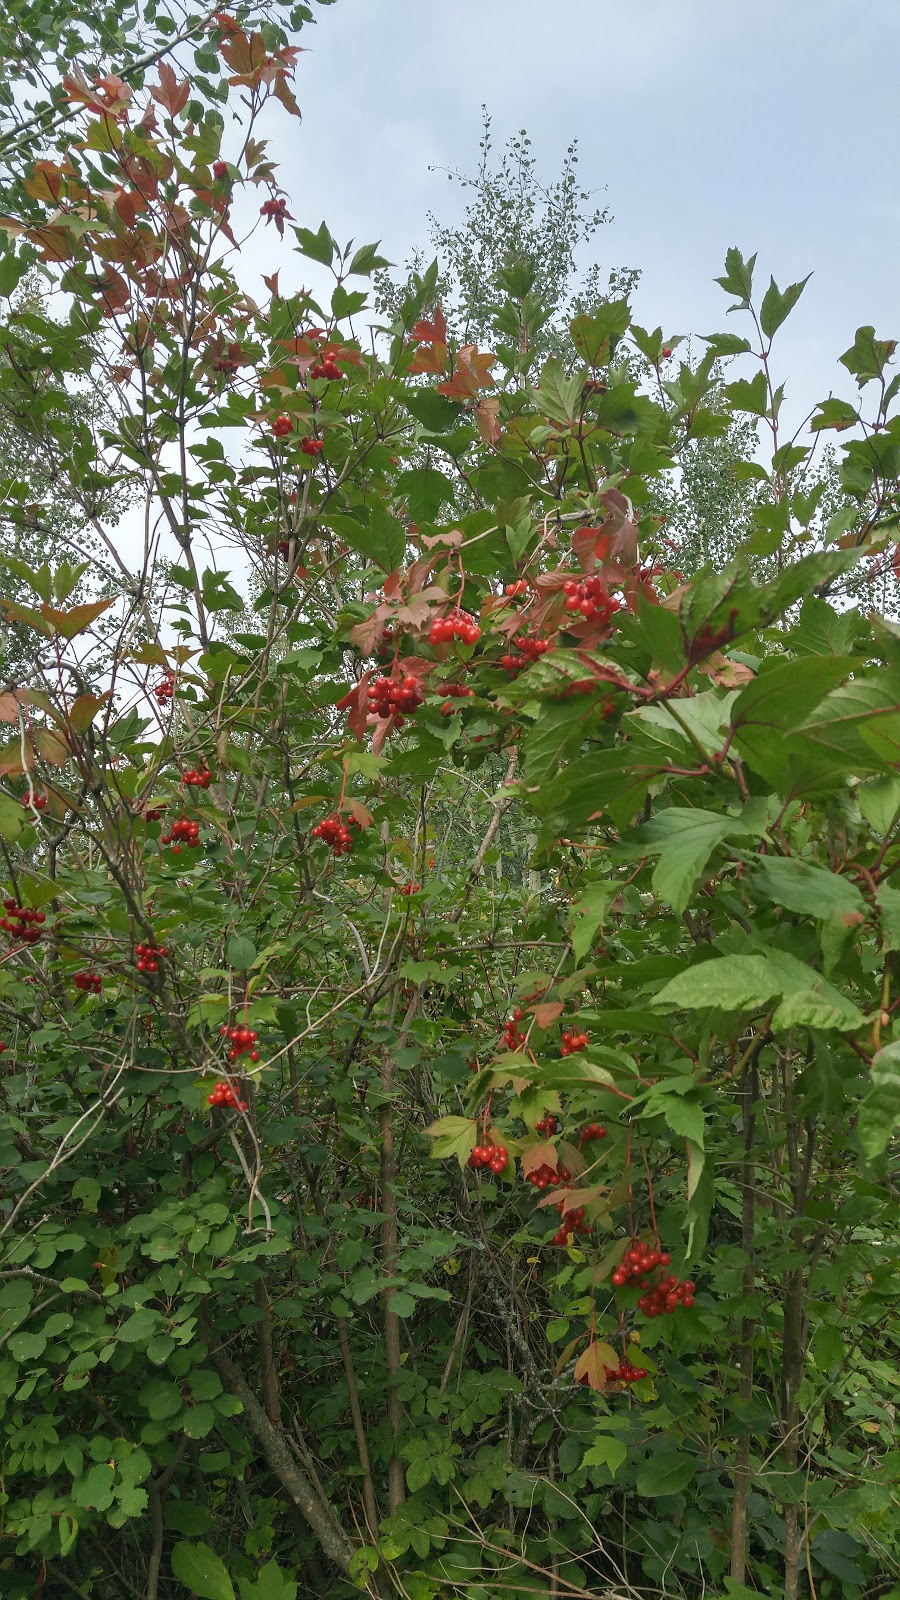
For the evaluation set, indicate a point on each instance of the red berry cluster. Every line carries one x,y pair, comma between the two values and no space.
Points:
224,1095
455,691
197,780
165,689
544,1177
276,209
148,956
572,1042
284,547
572,1222
282,425
326,368
225,364
23,922
3,1046
594,1130
241,1041
637,1261
38,801
90,982
220,170
514,589
625,1373
312,447
335,833
408,888
667,1295
548,1124
182,831
533,649
394,697
512,1038
494,1156
591,598
456,625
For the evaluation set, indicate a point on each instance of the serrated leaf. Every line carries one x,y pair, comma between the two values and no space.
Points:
879,1113
665,1472
201,1571
240,952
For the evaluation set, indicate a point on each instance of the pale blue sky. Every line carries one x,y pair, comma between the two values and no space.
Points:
770,124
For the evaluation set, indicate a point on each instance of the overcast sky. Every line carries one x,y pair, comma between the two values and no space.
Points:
770,124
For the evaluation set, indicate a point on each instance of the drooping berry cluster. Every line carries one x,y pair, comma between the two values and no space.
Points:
34,800
544,1177
312,447
23,922
637,1261
276,210
572,1042
395,697
408,888
667,1295
494,1156
513,590
625,1373
529,650
572,1222
197,779
594,1130
282,426
591,598
182,831
165,689
241,1042
548,1124
512,1038
456,624
89,982
454,691
336,834
224,1095
326,368
148,956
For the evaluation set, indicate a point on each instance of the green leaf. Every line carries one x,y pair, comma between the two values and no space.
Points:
240,952
879,1113
201,1571
318,246
889,904
879,802
683,1115
403,1305
666,1472
777,306
725,983
749,394
606,1452
588,914
160,1399
454,1136
270,1584
425,490
837,414
375,533
738,278
433,410
685,839
558,394
807,890
366,260
867,356
186,1517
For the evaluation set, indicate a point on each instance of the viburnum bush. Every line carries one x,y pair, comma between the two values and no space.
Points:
449,998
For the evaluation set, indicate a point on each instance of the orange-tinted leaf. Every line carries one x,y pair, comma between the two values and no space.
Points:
9,708
76,619
487,419
46,183
83,710
470,374
547,1012
432,332
360,813
539,1155
33,619
169,93
590,1368
51,746
431,358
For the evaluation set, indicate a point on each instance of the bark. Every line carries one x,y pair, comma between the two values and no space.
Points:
268,1370
316,1510
745,1354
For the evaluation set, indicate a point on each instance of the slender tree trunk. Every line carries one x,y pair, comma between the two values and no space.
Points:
745,1354
390,1250
268,1370
793,1340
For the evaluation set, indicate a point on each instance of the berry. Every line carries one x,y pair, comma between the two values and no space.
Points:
312,447
182,830
396,696
220,170
23,922
591,599
148,956
594,1130
572,1042
667,351
532,649
326,368
165,689
494,1156
224,1095
197,779
34,800
544,1177
276,211
625,1373
517,588
408,888
241,1040
456,624
335,833
512,1038
89,982
548,1124
282,425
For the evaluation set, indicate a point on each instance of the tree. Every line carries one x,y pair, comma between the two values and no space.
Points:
373,1221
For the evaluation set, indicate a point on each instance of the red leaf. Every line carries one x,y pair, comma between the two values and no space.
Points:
547,1012
170,94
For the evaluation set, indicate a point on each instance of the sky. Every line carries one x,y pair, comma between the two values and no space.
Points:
767,124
